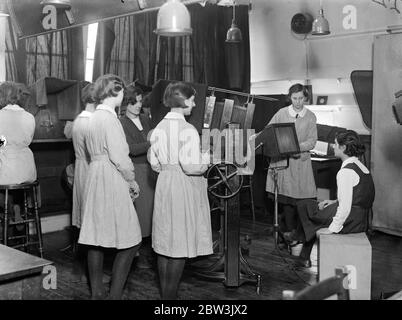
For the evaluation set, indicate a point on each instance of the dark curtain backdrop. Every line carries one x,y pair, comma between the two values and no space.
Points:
131,49
134,52
59,54
217,63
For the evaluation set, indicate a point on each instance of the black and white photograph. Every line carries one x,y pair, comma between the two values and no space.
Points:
200,157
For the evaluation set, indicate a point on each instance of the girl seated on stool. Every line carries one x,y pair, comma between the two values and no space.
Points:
347,214
17,127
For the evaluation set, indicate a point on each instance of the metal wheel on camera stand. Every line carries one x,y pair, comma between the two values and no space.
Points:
231,266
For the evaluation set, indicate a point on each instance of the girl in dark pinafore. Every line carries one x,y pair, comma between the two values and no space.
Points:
347,214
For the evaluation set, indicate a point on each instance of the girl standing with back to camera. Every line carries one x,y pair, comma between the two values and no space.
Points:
109,218
17,128
181,220
78,133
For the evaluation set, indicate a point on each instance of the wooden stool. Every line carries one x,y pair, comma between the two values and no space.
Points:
352,251
29,215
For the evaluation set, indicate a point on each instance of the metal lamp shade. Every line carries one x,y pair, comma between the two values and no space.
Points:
60,4
320,25
3,10
173,20
234,34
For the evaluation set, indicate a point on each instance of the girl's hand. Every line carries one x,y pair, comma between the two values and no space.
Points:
323,231
134,190
253,136
325,203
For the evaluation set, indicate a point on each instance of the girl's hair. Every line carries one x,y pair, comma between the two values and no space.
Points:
350,139
176,93
13,93
108,85
146,100
298,88
130,94
87,94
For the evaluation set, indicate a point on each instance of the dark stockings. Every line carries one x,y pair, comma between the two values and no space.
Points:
306,251
95,269
290,217
170,271
121,267
79,252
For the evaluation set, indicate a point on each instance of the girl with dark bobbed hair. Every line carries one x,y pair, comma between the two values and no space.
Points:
132,97
347,214
351,141
136,126
109,219
181,226
175,93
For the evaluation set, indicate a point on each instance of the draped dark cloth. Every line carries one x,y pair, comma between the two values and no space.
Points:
59,54
133,51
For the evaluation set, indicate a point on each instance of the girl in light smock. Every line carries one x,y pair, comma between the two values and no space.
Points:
17,164
297,181
109,219
78,133
181,220
17,128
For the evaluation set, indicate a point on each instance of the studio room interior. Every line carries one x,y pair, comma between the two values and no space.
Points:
200,150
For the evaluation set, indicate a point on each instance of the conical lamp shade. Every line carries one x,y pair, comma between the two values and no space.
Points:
320,25
173,20
3,10
61,4
234,34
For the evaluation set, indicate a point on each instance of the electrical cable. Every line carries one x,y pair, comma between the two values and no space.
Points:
289,265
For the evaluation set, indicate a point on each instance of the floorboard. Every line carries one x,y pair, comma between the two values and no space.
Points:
275,266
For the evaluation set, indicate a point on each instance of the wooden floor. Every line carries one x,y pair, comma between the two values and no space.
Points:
275,266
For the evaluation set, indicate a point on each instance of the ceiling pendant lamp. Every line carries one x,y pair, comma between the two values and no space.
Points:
320,24
173,20
59,4
62,5
234,33
3,10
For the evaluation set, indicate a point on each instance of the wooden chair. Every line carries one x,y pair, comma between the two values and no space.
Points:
322,290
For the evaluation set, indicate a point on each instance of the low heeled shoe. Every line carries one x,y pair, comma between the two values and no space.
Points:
303,263
290,238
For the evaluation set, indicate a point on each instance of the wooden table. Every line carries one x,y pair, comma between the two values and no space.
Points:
20,274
